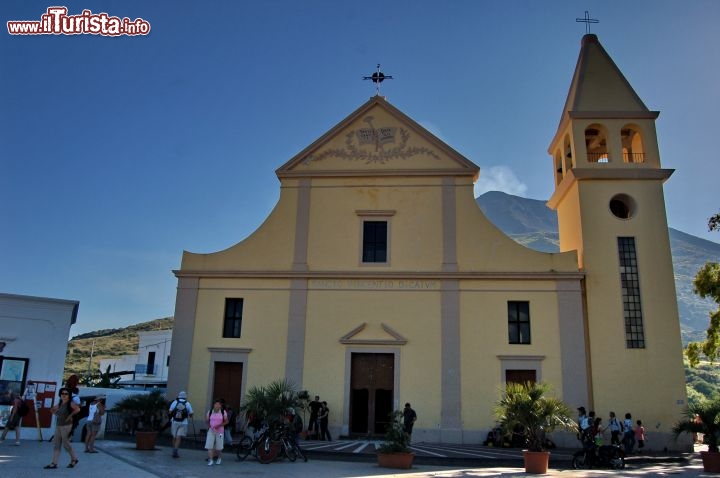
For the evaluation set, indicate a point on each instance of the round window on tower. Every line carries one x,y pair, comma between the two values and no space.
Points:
622,206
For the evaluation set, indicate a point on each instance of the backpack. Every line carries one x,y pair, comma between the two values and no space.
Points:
180,412
23,409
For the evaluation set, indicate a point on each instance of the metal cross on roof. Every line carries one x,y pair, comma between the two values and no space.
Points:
378,78
587,21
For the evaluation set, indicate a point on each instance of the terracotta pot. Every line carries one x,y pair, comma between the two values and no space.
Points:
536,462
395,460
145,440
711,461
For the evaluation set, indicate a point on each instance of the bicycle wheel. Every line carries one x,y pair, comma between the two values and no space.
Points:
267,450
617,461
299,452
578,461
289,449
243,448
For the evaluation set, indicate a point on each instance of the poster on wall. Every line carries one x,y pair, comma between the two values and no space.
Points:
13,373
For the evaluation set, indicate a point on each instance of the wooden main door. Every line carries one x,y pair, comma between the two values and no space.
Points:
520,376
372,379
228,383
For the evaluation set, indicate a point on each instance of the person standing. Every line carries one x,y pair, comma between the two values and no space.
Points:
94,420
597,432
324,417
64,412
180,411
409,418
314,410
583,425
214,442
615,428
640,434
628,434
72,384
15,420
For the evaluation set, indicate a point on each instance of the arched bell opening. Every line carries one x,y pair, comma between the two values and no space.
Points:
596,144
632,144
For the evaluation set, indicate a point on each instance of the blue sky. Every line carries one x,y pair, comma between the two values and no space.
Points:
118,153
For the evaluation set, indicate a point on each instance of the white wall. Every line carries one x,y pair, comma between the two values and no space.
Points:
38,329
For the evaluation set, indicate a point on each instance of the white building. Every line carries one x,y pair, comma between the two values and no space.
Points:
150,364
34,335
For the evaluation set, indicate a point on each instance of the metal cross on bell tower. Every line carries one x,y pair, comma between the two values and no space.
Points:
378,78
587,21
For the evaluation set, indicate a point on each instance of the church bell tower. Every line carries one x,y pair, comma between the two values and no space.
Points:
611,209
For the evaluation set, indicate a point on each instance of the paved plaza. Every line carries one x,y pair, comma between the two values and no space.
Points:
341,459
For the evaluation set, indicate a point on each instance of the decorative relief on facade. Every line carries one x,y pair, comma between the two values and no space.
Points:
374,145
394,337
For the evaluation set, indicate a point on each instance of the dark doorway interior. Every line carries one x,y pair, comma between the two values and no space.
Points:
520,376
372,379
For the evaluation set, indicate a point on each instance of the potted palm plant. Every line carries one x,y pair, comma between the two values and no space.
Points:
395,450
704,417
145,413
270,403
527,406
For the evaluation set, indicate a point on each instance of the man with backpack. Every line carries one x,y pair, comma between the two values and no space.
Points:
19,410
180,411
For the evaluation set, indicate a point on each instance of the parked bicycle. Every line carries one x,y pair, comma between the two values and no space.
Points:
261,446
290,445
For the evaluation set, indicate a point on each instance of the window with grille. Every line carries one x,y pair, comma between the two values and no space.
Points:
232,323
518,322
630,283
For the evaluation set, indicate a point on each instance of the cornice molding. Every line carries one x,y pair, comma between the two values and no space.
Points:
386,275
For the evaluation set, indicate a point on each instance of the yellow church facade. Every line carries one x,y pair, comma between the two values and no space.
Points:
376,280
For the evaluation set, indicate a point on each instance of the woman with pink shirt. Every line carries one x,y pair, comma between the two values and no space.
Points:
216,420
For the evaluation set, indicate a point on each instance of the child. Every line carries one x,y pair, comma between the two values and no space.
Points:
640,434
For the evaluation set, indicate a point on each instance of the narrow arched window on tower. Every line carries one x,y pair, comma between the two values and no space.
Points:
630,283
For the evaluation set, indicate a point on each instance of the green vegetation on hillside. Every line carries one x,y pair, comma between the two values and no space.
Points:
701,381
109,343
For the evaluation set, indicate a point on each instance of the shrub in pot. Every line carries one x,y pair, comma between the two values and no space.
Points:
704,417
146,414
395,450
528,406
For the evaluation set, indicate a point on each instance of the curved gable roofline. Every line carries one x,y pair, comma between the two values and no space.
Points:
379,101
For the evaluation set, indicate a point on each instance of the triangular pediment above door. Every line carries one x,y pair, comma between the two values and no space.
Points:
373,335
377,139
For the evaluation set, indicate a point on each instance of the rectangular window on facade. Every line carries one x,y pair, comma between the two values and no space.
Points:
630,283
233,318
518,322
375,241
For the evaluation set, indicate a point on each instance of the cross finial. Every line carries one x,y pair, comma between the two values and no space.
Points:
587,21
377,78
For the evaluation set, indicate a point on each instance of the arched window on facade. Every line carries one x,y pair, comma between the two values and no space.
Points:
632,144
596,144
